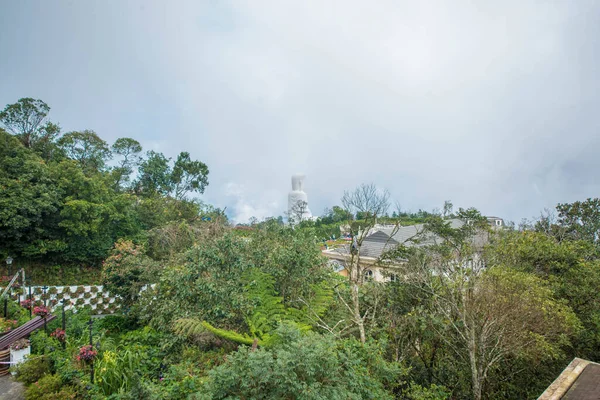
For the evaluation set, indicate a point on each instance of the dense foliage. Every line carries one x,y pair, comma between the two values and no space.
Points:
208,311
64,200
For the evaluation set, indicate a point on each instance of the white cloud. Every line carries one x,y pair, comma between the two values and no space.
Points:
435,100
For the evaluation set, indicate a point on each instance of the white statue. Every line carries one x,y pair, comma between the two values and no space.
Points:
298,201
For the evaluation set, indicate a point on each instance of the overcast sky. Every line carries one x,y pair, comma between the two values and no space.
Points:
491,104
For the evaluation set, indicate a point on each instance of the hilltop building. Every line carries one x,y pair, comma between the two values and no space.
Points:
298,200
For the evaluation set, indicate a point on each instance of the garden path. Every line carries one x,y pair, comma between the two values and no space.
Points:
11,389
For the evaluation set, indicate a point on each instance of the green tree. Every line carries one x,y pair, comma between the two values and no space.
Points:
305,367
370,203
580,220
127,270
29,201
570,267
488,316
92,216
129,149
188,176
218,270
27,120
154,175
87,148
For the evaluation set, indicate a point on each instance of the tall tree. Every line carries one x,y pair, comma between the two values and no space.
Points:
29,201
487,315
581,220
154,175
87,148
27,120
188,176
372,203
129,149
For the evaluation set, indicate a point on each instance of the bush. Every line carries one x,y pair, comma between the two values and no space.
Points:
65,393
116,323
45,388
33,369
308,365
127,270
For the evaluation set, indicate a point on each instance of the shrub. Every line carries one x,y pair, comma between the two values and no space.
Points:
87,354
42,388
65,393
7,324
79,302
53,290
80,289
87,295
307,364
94,300
26,304
41,311
32,370
94,289
59,334
127,270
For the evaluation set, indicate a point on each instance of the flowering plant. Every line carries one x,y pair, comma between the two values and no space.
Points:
20,344
26,304
87,353
59,334
41,311
7,324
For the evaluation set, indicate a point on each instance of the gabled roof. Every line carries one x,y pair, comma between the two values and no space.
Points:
377,244
579,381
386,239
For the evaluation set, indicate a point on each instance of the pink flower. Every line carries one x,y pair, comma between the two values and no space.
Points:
41,311
87,353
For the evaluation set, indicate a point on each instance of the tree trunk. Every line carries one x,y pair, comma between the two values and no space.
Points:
357,317
475,376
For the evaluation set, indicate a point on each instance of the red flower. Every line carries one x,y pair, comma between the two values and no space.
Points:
41,311
87,353
59,334
26,304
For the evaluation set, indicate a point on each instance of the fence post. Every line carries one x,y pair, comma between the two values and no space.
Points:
92,346
30,303
64,324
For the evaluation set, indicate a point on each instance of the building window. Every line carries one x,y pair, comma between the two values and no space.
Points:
393,278
368,275
498,222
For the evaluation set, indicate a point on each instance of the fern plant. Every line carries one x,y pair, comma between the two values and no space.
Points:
268,312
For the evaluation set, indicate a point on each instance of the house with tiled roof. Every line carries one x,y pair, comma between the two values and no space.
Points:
382,239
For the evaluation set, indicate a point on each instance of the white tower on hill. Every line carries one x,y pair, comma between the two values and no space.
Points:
298,201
